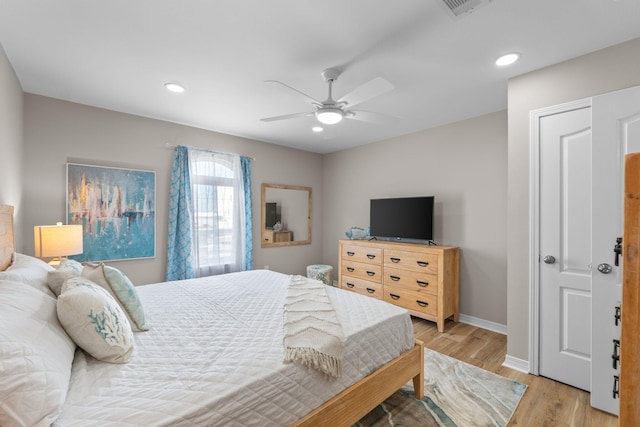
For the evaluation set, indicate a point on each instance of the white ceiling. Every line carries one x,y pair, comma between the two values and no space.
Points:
117,55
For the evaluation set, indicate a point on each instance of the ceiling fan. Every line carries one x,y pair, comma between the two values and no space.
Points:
332,111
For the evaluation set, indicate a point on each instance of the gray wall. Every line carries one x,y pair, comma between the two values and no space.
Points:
57,132
11,137
464,165
603,71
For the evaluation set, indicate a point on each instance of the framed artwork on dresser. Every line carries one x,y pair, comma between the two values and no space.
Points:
116,208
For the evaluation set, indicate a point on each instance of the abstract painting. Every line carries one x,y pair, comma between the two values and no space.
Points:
116,208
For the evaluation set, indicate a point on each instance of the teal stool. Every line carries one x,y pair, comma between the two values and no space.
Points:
321,272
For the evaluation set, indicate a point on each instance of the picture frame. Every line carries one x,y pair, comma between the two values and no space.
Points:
116,208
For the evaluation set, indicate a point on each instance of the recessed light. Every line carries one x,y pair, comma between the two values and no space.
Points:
507,59
317,129
174,87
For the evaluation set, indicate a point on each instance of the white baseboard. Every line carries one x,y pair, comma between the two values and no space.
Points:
509,361
484,324
516,364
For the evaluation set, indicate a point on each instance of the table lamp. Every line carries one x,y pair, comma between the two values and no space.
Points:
57,241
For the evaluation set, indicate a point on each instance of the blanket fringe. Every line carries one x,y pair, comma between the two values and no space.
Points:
329,365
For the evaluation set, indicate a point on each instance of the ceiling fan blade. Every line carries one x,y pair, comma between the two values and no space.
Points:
287,116
309,98
371,89
371,117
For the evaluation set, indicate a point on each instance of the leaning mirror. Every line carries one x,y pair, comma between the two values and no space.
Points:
286,215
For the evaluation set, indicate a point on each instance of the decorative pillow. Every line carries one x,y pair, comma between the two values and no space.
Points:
35,357
95,321
121,288
29,270
67,268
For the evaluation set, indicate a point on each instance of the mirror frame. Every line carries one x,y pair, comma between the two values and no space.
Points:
265,244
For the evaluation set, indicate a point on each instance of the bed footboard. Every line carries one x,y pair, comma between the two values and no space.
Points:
358,400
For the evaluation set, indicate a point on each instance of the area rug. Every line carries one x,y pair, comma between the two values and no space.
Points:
457,394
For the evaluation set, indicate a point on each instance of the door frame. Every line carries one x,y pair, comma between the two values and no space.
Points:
534,222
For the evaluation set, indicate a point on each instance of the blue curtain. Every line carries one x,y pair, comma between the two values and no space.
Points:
181,259
180,234
245,162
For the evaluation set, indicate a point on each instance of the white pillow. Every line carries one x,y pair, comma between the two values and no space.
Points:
67,268
121,288
35,357
95,321
29,270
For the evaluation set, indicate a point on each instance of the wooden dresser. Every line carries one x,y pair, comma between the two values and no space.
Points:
271,236
423,279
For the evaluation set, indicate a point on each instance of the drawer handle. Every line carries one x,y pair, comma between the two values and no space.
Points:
394,278
394,296
421,283
371,273
371,290
396,260
350,269
422,263
422,303
350,285
371,256
351,253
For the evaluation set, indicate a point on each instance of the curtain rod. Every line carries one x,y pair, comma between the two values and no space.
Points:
173,147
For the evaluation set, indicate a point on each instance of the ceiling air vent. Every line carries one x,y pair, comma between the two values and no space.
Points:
456,8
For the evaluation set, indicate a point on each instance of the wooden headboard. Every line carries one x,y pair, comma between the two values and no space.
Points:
7,244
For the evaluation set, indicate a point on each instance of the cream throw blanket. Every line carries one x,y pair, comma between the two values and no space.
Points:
312,334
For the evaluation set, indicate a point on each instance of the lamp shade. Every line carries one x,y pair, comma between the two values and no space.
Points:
57,240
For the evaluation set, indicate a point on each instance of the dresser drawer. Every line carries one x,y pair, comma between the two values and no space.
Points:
361,270
410,280
361,286
415,261
362,254
416,301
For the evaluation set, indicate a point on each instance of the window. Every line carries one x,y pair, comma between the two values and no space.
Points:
218,212
210,223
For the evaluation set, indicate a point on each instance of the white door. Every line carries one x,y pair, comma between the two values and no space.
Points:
616,132
565,247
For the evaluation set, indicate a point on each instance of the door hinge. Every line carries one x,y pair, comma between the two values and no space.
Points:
616,353
617,249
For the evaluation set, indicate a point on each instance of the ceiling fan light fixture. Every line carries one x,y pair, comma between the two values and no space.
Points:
329,116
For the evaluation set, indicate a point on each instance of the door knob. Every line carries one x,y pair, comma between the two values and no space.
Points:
549,259
604,268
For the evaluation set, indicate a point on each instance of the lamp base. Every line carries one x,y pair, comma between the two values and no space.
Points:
56,261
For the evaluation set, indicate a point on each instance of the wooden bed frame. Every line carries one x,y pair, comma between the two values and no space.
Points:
7,245
348,407
342,410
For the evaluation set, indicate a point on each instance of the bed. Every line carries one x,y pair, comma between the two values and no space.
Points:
212,355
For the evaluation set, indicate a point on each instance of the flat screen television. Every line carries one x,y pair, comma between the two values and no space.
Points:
271,214
404,219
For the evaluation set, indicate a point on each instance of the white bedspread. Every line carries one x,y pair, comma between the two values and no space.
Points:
214,357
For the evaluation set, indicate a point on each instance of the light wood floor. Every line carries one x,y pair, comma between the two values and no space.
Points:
545,403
